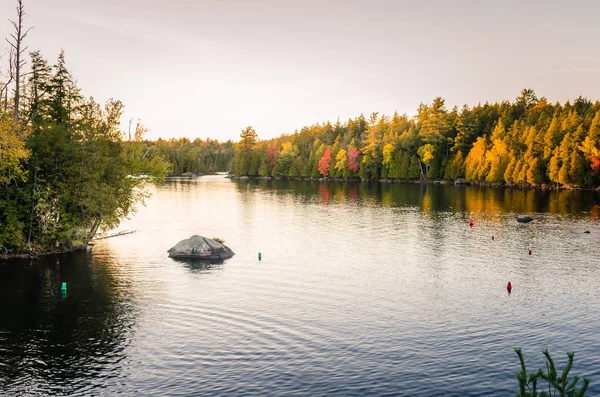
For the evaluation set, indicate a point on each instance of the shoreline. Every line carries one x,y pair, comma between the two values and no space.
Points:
458,182
35,255
191,175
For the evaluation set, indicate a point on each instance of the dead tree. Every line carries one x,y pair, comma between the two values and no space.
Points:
16,44
10,76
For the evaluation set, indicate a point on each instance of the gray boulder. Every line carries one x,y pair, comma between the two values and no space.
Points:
461,181
198,247
524,219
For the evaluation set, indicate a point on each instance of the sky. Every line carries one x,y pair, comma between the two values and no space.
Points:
209,68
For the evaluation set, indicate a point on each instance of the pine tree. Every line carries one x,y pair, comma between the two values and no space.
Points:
37,89
554,166
510,169
576,168
404,166
248,138
534,173
414,171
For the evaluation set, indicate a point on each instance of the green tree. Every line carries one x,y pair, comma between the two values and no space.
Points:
414,170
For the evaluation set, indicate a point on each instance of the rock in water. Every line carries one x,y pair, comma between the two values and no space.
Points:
524,219
461,182
198,247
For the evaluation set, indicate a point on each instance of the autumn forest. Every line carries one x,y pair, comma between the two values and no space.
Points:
527,142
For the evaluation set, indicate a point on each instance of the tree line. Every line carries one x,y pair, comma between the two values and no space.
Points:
66,169
526,142
198,156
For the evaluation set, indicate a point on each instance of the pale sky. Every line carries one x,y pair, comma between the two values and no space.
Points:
210,68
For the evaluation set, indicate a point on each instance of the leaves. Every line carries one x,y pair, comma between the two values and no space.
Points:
13,151
557,385
325,162
527,142
71,171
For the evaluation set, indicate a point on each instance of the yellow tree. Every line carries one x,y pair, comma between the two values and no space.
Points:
12,150
341,162
554,166
426,154
497,158
475,163
388,159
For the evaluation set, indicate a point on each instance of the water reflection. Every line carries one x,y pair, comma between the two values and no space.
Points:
49,337
363,289
433,198
202,265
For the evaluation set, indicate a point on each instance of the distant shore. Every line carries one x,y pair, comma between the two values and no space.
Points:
196,175
458,182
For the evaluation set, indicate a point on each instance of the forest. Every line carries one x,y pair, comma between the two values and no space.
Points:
66,169
197,157
526,142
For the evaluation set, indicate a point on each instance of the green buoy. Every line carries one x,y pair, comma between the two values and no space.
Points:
259,256
64,287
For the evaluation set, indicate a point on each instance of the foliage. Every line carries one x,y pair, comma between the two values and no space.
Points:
353,162
13,150
557,385
529,141
184,155
325,162
65,169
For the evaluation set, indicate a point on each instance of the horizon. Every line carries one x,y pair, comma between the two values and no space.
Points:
207,70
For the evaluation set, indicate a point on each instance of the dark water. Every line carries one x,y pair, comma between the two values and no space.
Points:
363,289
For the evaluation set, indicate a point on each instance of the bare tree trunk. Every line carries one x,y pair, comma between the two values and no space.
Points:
17,45
10,78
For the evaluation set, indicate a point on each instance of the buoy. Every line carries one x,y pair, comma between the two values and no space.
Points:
471,223
529,252
64,287
492,238
259,256
509,287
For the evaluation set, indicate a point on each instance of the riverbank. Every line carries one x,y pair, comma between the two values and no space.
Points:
458,182
36,254
195,175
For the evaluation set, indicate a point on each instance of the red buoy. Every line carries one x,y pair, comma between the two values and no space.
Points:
492,238
509,287
529,252
470,222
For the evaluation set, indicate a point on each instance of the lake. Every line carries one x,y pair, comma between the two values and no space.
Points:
363,289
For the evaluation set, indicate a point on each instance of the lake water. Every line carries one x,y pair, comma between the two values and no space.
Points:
363,289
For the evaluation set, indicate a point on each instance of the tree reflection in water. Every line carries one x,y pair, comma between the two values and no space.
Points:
48,338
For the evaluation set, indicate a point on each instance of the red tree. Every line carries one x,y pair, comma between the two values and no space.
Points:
272,154
595,165
325,162
353,163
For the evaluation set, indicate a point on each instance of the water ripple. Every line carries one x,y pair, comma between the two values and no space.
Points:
363,290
